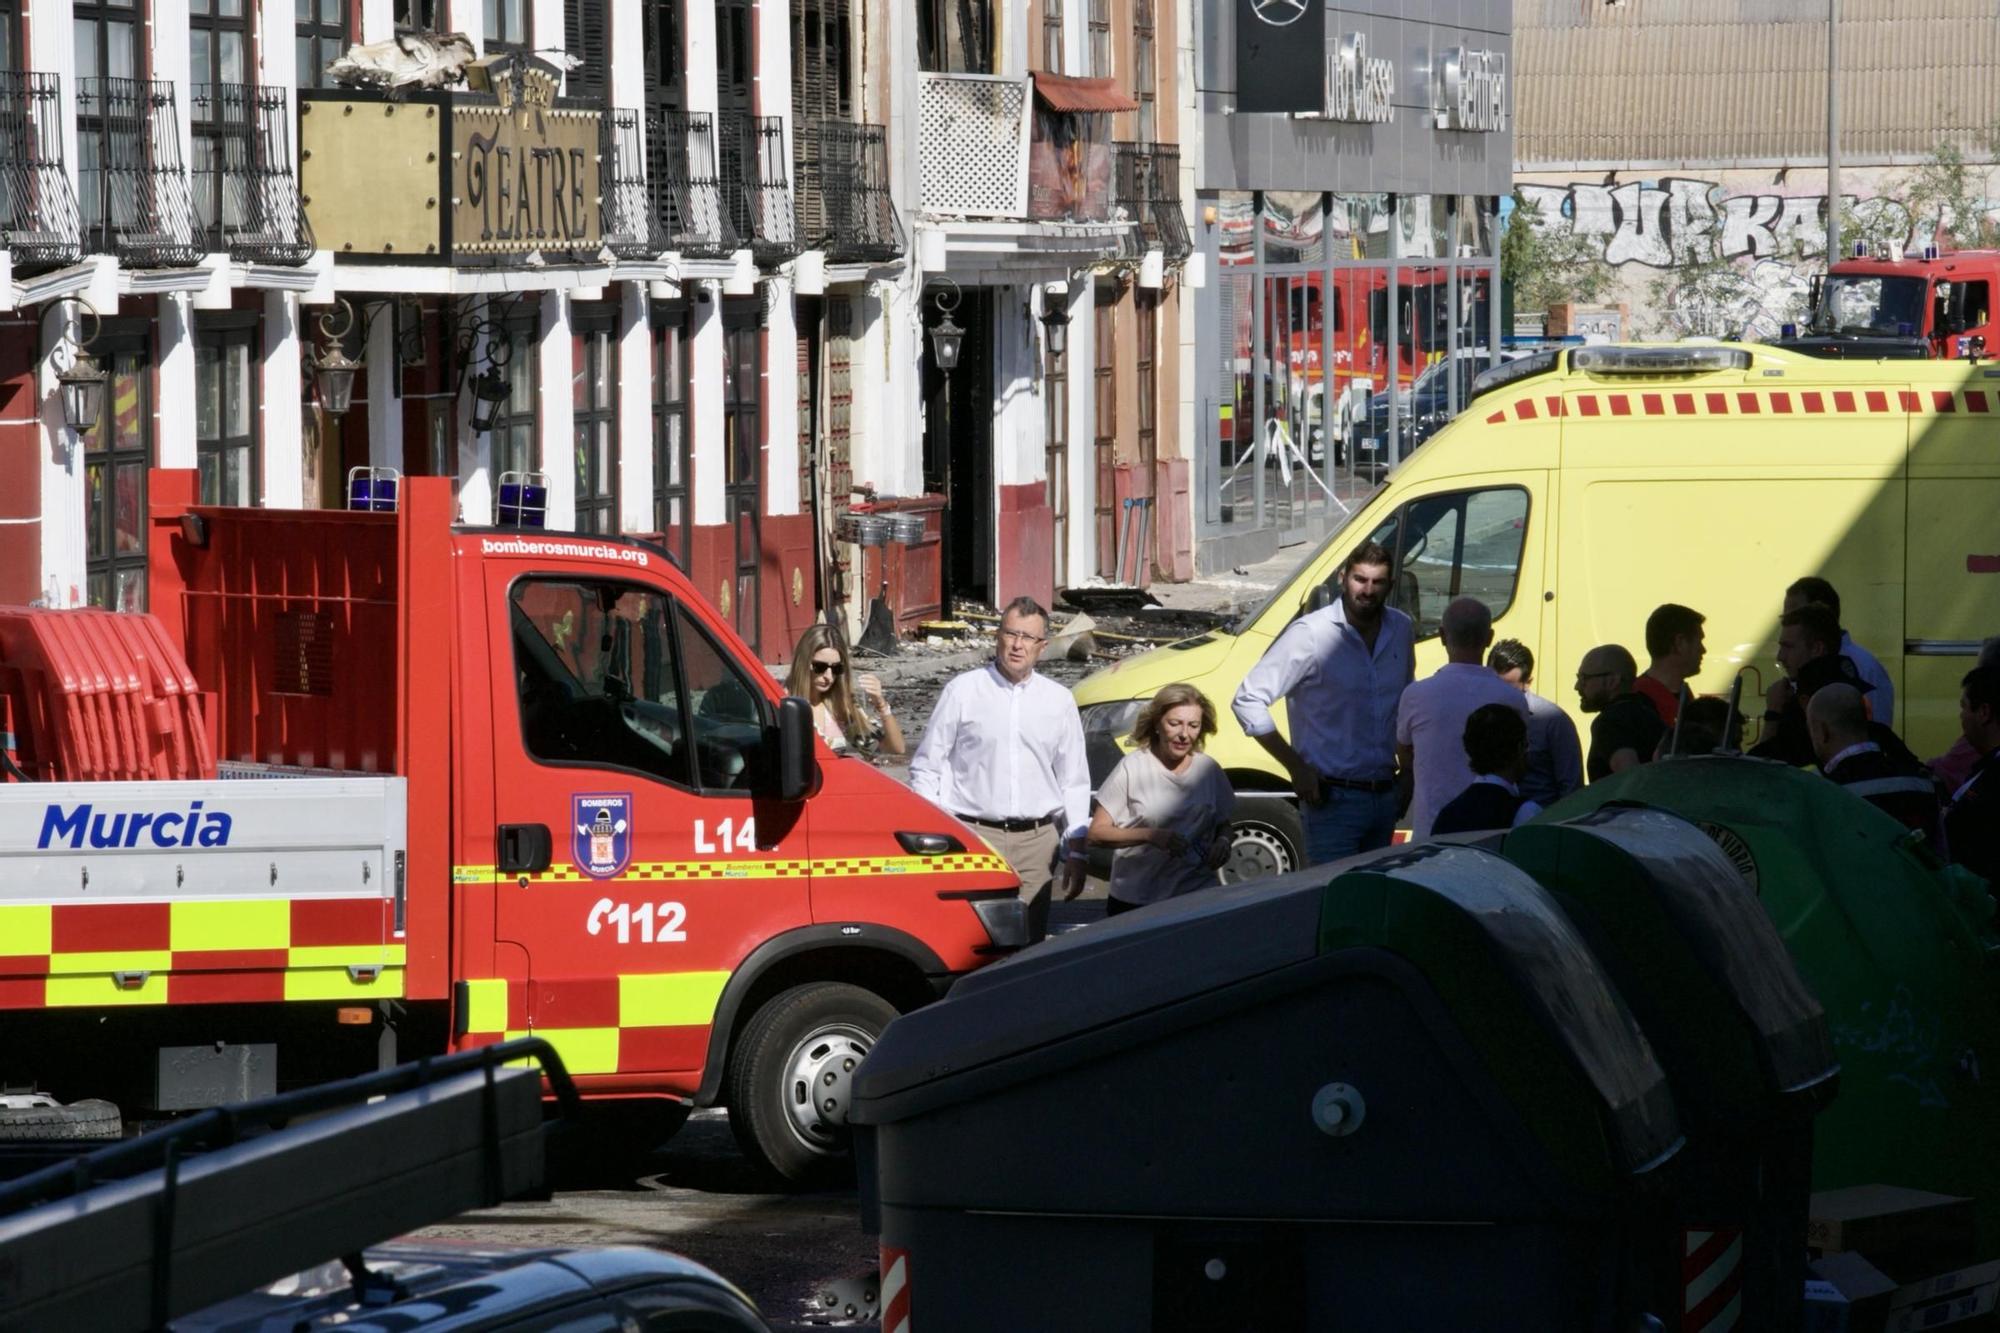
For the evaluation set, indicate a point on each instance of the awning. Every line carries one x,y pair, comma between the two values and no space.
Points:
1063,93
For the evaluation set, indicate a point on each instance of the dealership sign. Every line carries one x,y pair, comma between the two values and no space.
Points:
1359,87
1469,90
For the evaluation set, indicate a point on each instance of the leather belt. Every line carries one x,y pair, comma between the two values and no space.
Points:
1374,786
1007,825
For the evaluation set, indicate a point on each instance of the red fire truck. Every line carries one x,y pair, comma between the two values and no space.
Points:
1902,307
421,788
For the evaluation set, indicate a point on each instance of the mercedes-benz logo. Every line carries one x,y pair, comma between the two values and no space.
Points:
1279,13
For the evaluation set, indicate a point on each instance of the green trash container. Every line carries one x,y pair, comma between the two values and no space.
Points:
1896,947
1742,1040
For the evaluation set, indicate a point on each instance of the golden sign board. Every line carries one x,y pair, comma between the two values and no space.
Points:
487,177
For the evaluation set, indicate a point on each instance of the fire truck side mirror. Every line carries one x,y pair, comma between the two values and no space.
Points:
797,768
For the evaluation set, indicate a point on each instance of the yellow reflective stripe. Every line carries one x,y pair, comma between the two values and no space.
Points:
326,983
99,990
27,929
583,1050
256,923
486,1005
340,955
957,863
669,999
141,960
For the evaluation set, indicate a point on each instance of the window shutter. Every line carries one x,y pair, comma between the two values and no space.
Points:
583,39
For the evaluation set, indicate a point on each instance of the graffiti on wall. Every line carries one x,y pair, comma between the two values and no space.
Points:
1658,223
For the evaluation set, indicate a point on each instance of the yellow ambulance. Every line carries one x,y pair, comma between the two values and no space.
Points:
1582,487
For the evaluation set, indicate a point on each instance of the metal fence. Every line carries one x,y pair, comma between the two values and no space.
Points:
843,191
1148,194
627,211
686,191
246,195
135,200
38,211
757,186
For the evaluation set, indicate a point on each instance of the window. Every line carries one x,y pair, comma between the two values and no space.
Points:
416,15
601,685
955,36
225,408
1104,410
506,25
1100,38
1459,544
670,428
1052,36
1145,377
742,457
584,37
116,454
319,28
1142,69
821,84
513,438
106,46
594,421
665,62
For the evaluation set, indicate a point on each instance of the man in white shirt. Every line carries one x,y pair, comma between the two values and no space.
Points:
1430,724
1881,690
1003,751
1339,671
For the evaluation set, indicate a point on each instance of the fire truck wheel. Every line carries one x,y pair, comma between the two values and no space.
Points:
791,1075
80,1120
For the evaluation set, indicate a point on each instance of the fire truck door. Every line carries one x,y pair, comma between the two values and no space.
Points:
644,750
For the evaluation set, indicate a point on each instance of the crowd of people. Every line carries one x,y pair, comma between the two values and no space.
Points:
1470,748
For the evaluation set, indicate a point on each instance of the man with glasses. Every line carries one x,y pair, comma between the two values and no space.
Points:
1003,751
1627,729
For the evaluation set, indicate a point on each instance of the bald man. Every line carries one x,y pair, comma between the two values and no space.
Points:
1431,715
1627,729
1898,786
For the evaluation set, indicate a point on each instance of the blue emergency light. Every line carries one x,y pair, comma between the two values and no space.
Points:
1788,330
1861,249
523,500
373,489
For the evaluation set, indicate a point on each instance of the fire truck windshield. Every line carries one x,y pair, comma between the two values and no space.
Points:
1871,304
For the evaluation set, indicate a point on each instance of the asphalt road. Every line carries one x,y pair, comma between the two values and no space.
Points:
801,1255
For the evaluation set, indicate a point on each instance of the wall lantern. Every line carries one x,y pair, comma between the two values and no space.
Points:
332,369
81,384
947,338
1055,322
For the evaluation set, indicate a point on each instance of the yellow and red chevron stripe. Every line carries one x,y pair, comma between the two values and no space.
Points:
639,1023
212,951
1759,403
960,863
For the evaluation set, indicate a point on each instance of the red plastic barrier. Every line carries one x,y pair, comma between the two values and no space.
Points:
99,696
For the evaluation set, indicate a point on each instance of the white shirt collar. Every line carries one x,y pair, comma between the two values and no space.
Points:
1510,788
1862,747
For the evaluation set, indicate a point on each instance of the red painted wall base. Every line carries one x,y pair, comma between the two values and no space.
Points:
1025,545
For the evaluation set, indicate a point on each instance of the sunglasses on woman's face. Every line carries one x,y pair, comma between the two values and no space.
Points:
838,669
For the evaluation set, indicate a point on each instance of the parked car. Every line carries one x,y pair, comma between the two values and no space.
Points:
1424,408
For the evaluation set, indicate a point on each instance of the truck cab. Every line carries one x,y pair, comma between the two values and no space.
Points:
1895,307
506,782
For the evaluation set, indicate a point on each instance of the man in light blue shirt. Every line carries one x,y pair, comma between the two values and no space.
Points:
1881,690
1340,672
1555,754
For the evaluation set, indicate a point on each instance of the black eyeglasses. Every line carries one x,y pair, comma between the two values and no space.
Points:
838,669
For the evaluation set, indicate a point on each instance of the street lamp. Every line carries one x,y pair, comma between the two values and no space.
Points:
1055,323
946,337
947,340
333,370
81,383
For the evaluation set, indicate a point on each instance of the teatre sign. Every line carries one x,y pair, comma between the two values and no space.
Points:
1358,88
1470,91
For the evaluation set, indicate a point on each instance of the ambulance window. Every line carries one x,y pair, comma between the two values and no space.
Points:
1459,544
593,663
731,752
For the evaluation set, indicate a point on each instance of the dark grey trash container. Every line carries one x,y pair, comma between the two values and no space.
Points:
1405,1099
1740,1035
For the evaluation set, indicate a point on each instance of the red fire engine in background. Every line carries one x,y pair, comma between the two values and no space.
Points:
366,786
1902,307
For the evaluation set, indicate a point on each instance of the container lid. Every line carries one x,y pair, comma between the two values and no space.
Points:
1522,984
1708,907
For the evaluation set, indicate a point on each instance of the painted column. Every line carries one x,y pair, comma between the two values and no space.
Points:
378,22
475,448
705,405
554,410
1080,360
781,402
173,404
63,498
281,434
169,63
635,411
385,399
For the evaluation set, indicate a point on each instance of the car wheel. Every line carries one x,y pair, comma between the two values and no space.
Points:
81,1120
1265,839
791,1075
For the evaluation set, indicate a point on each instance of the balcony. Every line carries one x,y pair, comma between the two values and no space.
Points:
686,192
1148,194
37,207
135,201
627,207
246,196
844,205
756,185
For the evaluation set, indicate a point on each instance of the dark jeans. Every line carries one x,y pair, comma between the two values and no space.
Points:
1113,906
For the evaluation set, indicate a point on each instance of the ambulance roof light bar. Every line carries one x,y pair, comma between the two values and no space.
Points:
1670,360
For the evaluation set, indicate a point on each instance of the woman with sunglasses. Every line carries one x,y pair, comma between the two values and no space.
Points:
824,678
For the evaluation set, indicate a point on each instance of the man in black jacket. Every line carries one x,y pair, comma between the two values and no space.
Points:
1895,784
1496,745
1972,819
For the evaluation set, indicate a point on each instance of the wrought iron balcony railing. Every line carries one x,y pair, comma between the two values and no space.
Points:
627,209
246,196
756,185
135,200
1148,189
843,191
37,207
686,192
